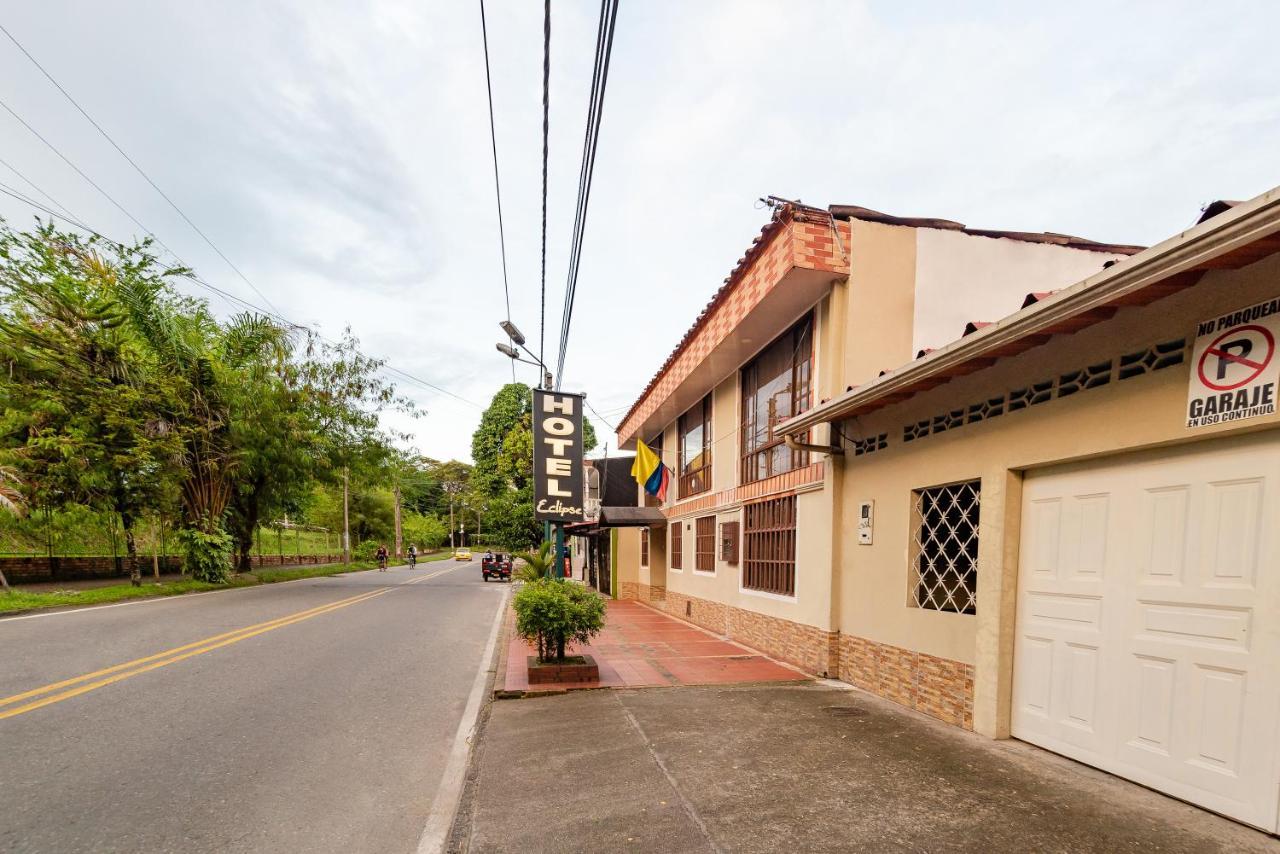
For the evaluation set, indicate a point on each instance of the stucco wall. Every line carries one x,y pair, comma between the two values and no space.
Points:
962,277
876,311
1130,414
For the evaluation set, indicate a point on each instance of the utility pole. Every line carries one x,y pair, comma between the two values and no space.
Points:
346,515
399,538
451,545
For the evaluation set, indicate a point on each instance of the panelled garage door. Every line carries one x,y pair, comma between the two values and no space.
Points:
1148,625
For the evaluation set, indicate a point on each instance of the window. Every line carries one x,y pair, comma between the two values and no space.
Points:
656,445
775,386
944,553
644,546
677,545
769,540
729,543
704,556
695,449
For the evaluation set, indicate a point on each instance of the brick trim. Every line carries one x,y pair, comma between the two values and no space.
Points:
789,481
939,687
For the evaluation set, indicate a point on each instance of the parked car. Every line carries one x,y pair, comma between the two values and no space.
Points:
462,554
498,566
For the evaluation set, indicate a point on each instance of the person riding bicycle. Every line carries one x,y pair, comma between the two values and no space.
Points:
382,558
413,555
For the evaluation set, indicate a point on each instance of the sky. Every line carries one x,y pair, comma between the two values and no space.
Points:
338,153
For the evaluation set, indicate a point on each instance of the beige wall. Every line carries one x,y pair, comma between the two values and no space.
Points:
627,556
873,312
1128,414
962,277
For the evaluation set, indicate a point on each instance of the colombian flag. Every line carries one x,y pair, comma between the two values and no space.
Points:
649,472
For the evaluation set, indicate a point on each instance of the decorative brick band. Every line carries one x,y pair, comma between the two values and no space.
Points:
812,473
628,590
939,687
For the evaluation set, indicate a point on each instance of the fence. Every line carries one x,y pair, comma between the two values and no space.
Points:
20,570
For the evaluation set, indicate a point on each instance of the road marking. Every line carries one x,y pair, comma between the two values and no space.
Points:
146,664
443,809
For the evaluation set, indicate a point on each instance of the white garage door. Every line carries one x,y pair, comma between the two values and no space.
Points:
1148,627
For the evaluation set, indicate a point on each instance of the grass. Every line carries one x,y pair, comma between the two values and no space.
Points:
19,600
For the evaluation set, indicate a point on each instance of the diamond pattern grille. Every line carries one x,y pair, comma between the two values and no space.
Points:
945,550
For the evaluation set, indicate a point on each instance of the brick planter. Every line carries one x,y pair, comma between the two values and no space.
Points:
570,671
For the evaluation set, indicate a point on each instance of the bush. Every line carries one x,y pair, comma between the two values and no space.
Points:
552,613
207,556
537,565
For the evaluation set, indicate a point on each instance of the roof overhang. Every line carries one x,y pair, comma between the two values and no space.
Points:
799,290
631,517
1234,238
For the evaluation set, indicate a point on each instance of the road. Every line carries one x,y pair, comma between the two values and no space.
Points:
315,715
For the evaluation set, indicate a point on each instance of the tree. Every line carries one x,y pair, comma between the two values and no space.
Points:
506,412
85,417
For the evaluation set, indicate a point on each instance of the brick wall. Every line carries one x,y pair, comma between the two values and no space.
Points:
628,590
20,570
939,687
655,594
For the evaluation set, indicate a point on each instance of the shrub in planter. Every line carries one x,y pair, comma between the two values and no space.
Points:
552,613
537,565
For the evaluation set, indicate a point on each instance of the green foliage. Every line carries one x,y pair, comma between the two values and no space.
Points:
425,532
509,408
551,614
537,563
207,554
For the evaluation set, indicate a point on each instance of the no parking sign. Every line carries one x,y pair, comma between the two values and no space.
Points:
1234,368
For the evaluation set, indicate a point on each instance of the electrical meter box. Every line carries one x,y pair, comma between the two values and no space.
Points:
866,514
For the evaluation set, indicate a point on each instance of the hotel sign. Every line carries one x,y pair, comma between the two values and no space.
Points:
557,457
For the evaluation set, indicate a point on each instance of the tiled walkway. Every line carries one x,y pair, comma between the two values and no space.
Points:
640,647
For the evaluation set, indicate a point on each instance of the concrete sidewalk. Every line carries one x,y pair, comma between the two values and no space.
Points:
641,647
798,768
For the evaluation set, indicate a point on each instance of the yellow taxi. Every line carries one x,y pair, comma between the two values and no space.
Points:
462,554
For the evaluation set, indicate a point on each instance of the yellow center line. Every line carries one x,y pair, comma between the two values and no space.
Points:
138,666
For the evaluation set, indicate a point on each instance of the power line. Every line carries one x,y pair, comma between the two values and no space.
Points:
134,164
546,134
590,142
232,298
598,415
497,185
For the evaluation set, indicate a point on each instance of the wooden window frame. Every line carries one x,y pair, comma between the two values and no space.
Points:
704,545
675,546
695,481
644,546
800,339
769,546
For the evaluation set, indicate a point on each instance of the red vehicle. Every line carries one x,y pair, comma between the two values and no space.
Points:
496,565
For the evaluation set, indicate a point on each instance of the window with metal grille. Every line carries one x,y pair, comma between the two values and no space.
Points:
769,546
675,546
695,449
704,544
776,386
644,546
944,549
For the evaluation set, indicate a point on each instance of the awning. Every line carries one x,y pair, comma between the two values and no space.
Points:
631,517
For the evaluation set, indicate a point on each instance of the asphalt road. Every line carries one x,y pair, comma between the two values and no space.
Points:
315,715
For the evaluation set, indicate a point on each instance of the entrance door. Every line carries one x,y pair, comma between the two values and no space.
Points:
1148,626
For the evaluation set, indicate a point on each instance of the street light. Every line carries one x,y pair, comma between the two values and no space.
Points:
512,353
512,332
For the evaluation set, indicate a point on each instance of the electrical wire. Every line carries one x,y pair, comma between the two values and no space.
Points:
136,167
546,137
598,415
497,185
590,143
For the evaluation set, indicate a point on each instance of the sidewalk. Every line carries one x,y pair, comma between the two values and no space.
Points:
640,647
803,768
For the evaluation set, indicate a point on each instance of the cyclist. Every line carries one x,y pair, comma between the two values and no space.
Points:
382,558
413,556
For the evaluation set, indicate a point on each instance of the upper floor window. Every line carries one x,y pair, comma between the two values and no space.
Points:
776,385
695,449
